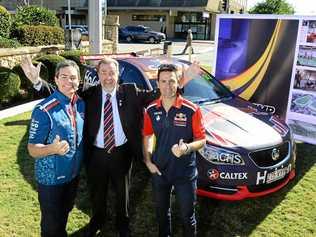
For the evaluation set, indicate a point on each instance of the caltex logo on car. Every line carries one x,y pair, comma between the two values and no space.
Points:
213,174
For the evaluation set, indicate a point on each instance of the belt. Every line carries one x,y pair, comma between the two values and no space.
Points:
114,150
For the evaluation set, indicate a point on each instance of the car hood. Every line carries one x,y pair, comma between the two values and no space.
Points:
229,126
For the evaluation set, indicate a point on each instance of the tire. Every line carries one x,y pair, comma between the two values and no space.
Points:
151,40
129,38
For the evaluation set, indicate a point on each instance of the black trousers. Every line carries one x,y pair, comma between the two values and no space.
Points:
56,201
102,169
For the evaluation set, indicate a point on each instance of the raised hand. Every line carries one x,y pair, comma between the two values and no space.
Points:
179,149
188,73
59,147
30,71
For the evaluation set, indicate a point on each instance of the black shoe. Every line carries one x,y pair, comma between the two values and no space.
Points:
124,233
90,232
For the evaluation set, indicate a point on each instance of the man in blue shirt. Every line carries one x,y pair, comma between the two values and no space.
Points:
179,132
55,141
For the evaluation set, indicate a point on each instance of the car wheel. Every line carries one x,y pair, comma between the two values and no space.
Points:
129,39
151,40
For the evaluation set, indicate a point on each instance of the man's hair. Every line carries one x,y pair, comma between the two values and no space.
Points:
108,60
167,68
67,63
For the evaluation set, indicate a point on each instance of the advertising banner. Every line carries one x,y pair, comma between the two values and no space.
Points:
301,115
258,56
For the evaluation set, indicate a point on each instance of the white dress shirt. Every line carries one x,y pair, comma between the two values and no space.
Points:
119,134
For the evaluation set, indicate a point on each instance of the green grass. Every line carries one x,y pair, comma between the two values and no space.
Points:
289,212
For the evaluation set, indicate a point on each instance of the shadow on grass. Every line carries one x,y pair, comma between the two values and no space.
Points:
140,179
18,123
215,218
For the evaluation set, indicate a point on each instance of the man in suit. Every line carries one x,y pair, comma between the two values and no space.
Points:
112,165
112,134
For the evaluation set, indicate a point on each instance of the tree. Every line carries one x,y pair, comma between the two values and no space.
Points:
272,7
5,22
35,15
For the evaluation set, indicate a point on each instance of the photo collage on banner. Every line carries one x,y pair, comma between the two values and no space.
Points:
301,115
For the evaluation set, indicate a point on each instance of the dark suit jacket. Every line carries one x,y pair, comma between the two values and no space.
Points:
131,102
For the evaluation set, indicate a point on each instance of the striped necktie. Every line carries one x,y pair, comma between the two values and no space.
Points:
109,139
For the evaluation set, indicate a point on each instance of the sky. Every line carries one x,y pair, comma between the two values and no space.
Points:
302,7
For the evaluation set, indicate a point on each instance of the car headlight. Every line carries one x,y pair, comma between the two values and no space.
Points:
221,156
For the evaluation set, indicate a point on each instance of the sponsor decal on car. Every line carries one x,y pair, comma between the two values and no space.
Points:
279,126
221,156
214,174
275,154
90,78
266,177
265,108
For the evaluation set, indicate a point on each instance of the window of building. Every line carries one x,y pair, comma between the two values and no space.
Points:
194,20
148,18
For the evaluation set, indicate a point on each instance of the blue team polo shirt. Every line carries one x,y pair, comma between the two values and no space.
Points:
58,115
182,121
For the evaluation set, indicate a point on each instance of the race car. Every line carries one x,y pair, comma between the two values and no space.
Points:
249,151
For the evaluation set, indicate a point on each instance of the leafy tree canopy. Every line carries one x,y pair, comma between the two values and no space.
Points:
35,15
280,7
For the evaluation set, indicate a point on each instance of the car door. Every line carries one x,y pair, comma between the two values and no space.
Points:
132,30
142,35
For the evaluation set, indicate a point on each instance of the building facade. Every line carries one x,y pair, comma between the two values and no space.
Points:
173,17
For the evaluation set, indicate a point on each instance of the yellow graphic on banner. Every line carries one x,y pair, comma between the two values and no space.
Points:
257,70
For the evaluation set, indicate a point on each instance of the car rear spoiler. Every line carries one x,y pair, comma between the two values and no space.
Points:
97,57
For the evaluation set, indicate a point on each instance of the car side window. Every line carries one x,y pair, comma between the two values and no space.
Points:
121,69
130,74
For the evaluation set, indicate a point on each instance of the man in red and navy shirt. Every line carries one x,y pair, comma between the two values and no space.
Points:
179,132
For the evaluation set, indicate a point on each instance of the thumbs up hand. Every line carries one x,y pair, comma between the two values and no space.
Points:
60,147
179,149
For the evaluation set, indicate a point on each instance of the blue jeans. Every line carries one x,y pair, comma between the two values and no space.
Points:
186,198
56,201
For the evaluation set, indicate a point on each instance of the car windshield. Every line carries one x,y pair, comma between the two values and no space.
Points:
206,89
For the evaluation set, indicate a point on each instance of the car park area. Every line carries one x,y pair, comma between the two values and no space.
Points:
140,34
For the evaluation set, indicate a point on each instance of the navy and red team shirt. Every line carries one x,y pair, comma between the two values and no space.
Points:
183,121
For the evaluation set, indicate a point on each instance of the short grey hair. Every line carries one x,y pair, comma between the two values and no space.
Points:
108,60
67,63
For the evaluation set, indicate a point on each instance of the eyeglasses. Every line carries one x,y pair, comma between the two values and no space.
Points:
67,77
167,67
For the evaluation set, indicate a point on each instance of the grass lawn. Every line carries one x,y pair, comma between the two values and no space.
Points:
289,212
